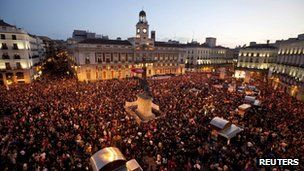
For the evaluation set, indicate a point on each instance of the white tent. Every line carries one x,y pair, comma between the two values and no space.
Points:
109,158
252,87
230,132
257,103
132,165
219,123
244,107
250,99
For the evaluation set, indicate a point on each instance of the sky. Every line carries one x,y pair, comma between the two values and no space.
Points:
232,22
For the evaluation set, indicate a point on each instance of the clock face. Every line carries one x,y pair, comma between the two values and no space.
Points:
138,30
145,30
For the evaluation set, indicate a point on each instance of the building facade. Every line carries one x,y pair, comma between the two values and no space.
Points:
257,56
207,54
20,52
288,71
100,59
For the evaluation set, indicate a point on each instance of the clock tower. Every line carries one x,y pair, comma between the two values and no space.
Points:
142,27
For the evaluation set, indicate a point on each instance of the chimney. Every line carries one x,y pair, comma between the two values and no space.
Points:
268,42
153,35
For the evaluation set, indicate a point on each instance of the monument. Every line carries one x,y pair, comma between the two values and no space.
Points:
143,108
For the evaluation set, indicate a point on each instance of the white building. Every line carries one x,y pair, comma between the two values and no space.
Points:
288,71
100,59
19,53
207,54
257,56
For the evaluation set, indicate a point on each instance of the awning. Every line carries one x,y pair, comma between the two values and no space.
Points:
219,123
244,106
137,70
230,132
257,103
109,158
250,98
133,165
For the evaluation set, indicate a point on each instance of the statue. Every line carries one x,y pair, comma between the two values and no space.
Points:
142,109
144,85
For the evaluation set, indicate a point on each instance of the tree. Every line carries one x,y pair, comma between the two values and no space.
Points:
59,66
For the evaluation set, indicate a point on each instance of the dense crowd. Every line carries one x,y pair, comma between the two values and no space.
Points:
58,125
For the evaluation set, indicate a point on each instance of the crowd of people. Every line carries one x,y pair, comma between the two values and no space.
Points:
59,124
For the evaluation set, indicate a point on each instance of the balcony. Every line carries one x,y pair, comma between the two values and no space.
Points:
4,47
5,56
17,57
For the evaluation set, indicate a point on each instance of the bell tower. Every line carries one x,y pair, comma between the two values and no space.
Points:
142,27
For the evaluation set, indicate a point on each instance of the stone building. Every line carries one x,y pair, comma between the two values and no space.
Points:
288,71
19,53
100,59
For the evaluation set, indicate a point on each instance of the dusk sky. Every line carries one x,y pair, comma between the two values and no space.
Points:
232,22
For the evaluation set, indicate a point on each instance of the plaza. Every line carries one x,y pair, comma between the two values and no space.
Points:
145,101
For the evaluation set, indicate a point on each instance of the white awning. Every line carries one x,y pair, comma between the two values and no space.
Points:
133,165
244,106
257,103
219,122
250,98
109,158
230,132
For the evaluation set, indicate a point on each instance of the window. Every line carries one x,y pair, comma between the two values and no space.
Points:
17,56
4,46
103,57
18,65
98,58
20,75
14,37
87,60
5,56
15,47
8,66
2,36
9,75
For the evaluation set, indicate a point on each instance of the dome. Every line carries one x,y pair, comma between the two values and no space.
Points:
142,13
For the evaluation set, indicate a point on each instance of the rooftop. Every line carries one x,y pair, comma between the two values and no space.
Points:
260,46
2,23
168,44
105,41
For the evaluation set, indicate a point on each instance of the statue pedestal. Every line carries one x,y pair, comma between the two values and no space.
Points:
142,108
